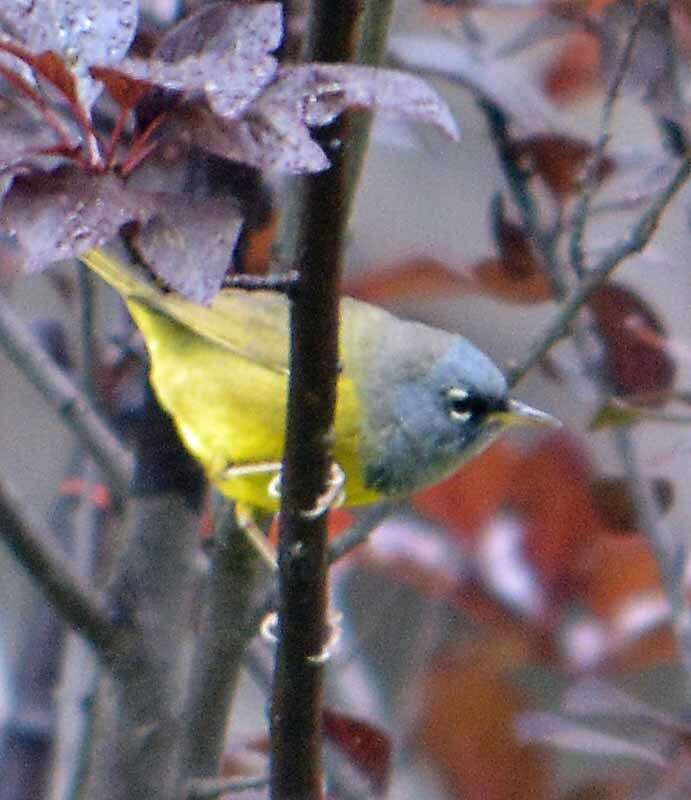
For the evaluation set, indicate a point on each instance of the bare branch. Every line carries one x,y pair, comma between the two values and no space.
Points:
65,398
317,245
281,282
34,549
589,182
635,242
227,627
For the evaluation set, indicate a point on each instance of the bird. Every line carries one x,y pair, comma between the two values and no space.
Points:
414,402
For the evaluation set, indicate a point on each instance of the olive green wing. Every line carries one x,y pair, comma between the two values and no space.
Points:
252,325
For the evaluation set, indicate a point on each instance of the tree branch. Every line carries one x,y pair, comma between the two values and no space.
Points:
589,182
635,242
65,398
321,218
227,627
34,549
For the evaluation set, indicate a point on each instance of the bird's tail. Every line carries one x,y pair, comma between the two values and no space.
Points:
124,278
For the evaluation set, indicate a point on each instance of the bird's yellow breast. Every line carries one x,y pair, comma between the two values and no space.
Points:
230,409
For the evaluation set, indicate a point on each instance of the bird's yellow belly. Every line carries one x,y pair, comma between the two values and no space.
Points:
230,413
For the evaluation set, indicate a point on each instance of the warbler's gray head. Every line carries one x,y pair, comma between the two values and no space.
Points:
437,413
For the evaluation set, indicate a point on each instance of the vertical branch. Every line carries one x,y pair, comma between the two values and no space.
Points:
321,220
227,626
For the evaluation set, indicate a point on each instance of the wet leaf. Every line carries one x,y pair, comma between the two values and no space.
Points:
276,144
318,93
221,52
23,136
60,214
84,31
637,363
190,245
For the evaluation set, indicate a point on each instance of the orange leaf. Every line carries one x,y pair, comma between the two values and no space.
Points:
412,279
53,69
469,709
616,569
467,500
575,73
505,280
550,494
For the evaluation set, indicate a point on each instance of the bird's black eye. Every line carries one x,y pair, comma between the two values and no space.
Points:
461,404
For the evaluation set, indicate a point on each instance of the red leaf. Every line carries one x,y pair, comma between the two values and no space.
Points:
53,69
464,502
124,89
638,363
559,161
368,747
575,73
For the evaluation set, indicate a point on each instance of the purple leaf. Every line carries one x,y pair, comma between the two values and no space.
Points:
61,214
190,245
221,52
89,31
274,134
320,92
279,143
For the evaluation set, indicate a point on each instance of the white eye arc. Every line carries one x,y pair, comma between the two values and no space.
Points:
460,404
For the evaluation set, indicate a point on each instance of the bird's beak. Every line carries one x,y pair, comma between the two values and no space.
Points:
518,413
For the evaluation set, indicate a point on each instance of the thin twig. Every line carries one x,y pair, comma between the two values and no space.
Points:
589,182
360,531
518,181
78,673
36,552
285,282
635,242
212,788
65,398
